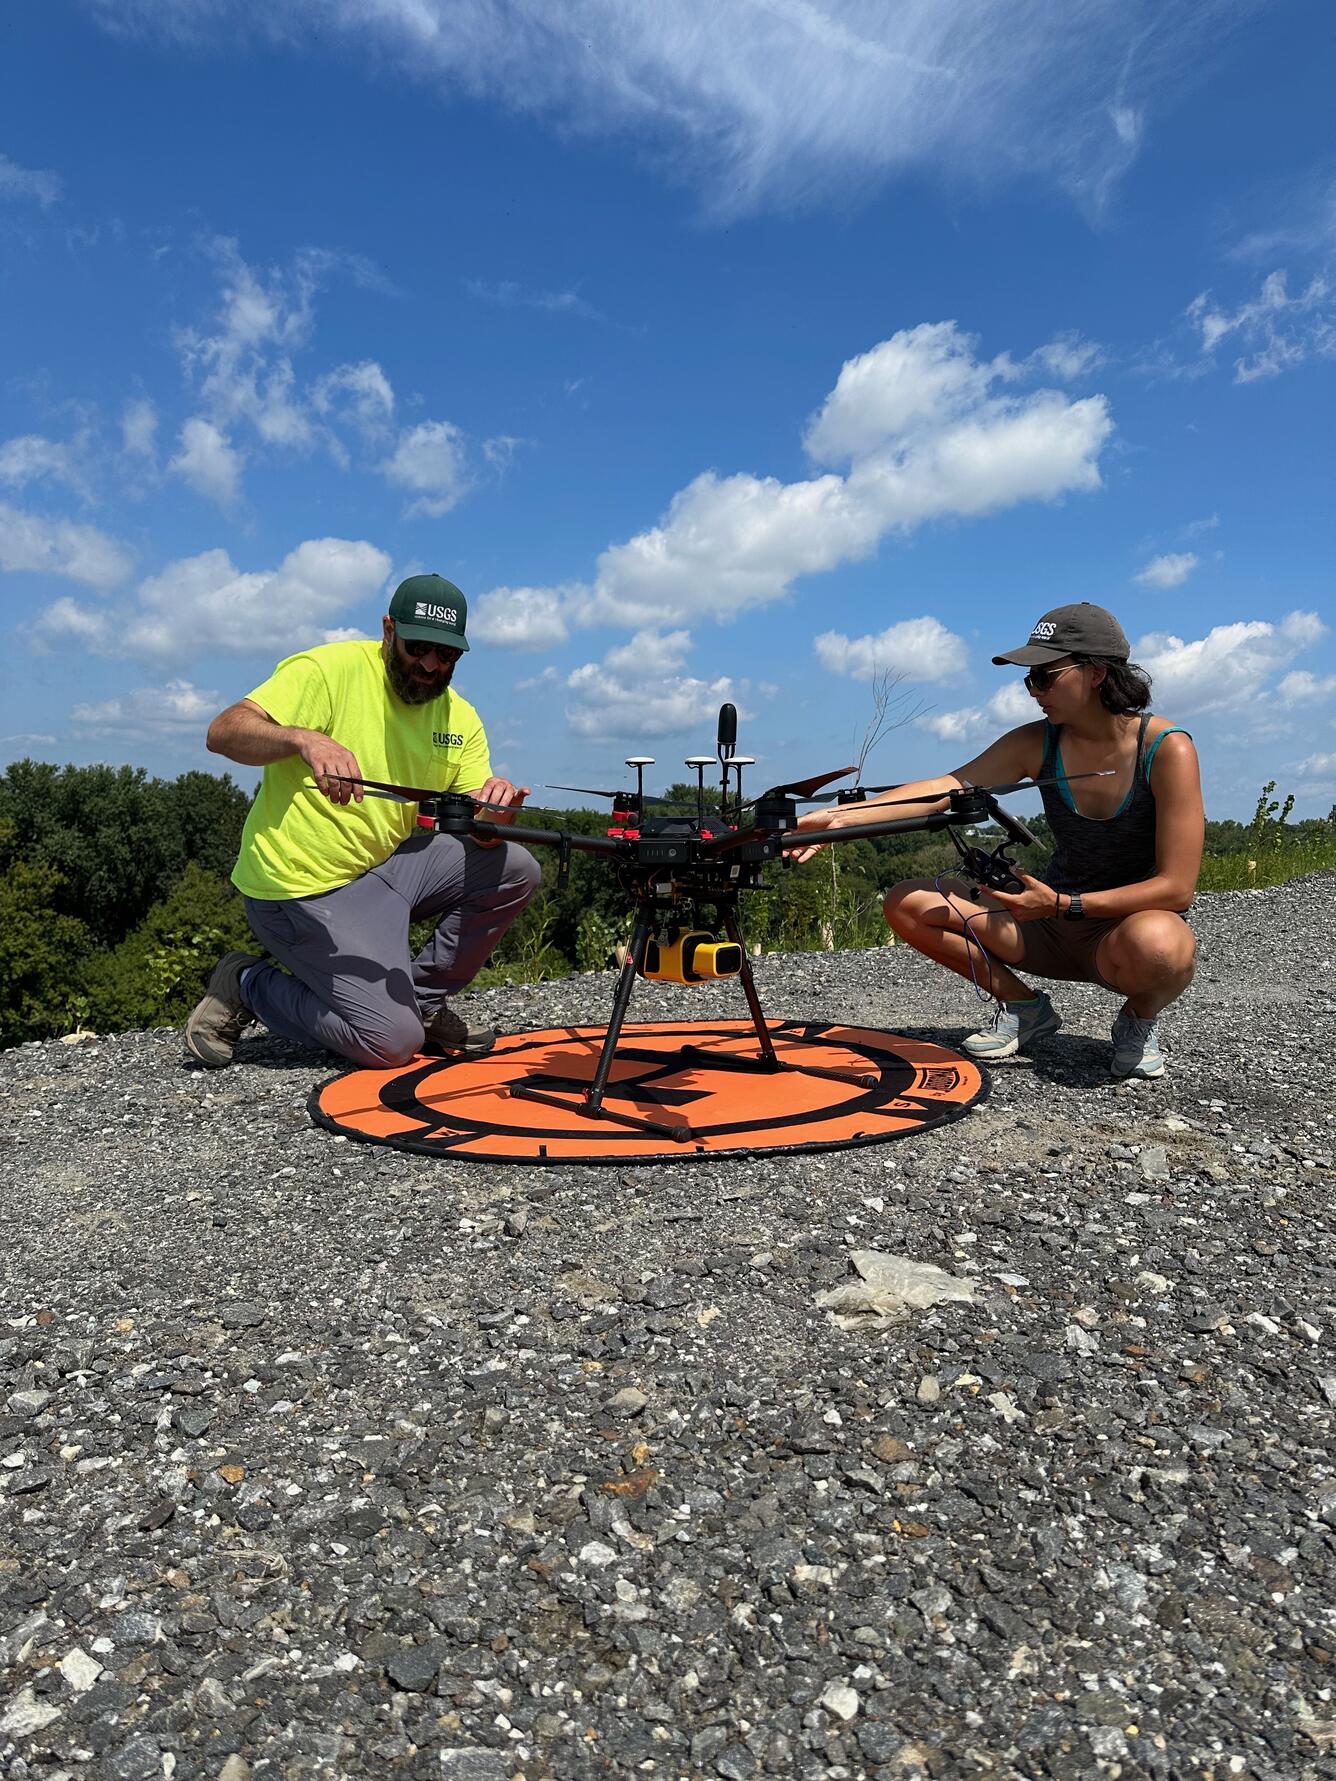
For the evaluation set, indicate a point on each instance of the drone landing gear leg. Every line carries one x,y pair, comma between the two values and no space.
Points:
769,1059
591,1105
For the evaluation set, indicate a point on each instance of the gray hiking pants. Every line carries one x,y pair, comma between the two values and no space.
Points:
352,986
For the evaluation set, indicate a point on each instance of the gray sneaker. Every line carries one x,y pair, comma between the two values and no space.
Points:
1014,1026
1136,1046
220,1017
448,1031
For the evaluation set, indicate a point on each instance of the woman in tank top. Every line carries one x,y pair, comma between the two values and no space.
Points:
1127,850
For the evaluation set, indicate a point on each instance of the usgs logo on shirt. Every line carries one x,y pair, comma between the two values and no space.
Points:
1043,630
447,739
438,615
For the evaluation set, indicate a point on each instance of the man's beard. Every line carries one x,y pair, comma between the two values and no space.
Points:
407,685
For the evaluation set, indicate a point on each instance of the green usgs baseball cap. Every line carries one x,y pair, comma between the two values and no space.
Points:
430,609
1078,630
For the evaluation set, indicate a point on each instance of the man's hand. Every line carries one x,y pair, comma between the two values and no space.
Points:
332,766
811,819
1035,903
502,792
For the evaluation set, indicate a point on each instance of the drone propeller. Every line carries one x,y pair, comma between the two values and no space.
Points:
592,791
851,794
799,788
993,791
407,794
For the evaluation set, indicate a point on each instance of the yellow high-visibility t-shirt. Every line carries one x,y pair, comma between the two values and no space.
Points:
295,842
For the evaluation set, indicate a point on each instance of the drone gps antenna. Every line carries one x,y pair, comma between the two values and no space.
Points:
728,731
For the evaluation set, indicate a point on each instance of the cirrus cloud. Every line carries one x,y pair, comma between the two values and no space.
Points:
786,101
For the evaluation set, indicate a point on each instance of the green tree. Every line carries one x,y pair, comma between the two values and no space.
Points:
41,956
157,974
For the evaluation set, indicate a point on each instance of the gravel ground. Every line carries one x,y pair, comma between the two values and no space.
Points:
321,1459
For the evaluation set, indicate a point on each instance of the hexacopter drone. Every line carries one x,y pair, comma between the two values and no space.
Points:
676,864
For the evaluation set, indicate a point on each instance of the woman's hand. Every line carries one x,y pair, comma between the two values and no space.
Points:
1035,903
811,819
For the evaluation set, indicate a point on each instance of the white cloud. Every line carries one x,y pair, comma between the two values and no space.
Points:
243,368
361,394
521,617
139,428
28,182
1276,330
1304,688
429,461
918,649
1228,668
204,603
1319,767
1009,706
928,435
639,691
150,711
514,296
788,100
209,462
1068,356
1167,571
29,457
61,547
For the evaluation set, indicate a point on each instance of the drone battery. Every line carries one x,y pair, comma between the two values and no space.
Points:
691,956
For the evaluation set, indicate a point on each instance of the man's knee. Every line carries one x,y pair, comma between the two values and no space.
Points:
521,871
385,1040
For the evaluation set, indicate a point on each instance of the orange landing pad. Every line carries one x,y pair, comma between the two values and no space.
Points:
464,1107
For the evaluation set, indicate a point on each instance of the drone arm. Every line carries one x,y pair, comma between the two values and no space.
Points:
796,838
491,831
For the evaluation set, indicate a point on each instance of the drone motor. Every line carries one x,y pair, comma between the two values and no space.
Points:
690,955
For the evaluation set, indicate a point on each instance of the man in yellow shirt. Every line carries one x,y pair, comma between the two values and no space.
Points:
331,880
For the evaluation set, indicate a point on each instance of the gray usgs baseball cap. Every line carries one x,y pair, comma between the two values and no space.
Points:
430,609
1079,630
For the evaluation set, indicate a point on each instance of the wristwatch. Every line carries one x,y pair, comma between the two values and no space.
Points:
1073,911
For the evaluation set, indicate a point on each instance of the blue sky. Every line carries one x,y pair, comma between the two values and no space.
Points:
742,350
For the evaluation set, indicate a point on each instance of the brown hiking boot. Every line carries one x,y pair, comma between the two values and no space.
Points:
220,1017
450,1032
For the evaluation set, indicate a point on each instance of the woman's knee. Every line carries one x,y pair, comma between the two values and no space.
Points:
906,903
1154,943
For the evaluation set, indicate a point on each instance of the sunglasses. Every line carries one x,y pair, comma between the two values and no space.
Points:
417,649
1039,680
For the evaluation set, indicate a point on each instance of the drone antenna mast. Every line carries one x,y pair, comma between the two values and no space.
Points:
700,762
640,762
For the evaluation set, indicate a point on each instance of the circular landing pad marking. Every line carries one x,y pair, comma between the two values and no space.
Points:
462,1107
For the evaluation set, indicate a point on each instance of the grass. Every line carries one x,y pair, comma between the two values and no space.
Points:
1269,865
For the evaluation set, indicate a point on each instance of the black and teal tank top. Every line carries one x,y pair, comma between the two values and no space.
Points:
1100,853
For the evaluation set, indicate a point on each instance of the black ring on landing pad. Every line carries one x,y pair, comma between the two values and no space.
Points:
439,1134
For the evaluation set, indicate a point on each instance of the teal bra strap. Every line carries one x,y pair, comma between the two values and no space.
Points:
1173,730
1052,767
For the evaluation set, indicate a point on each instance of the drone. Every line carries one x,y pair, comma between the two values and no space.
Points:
675,864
